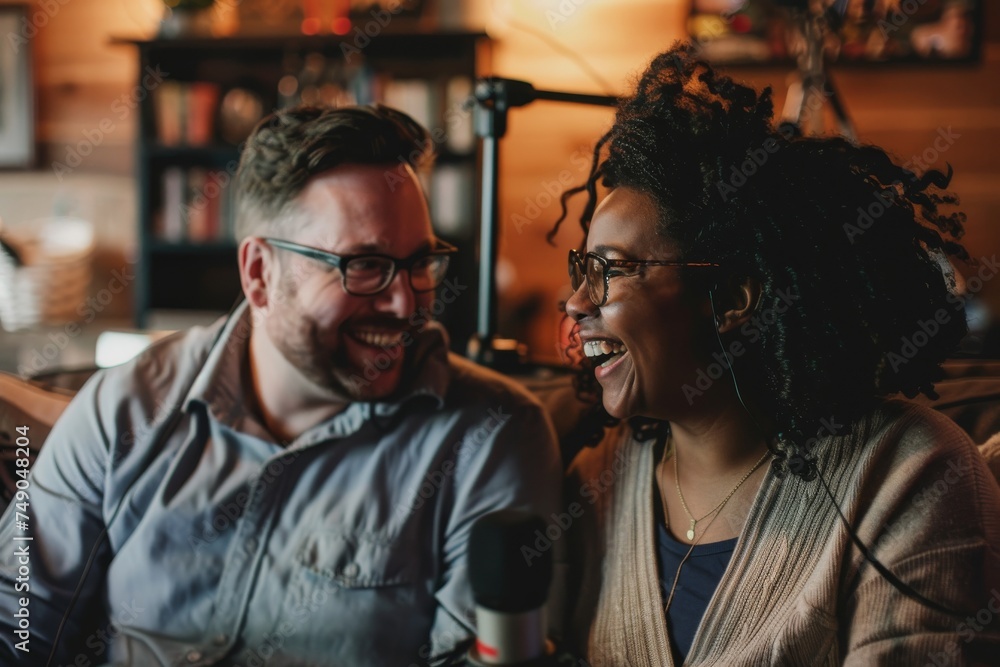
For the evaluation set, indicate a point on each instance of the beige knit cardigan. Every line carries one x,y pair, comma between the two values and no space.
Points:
797,591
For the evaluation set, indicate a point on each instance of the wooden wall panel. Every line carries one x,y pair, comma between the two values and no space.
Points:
899,108
80,75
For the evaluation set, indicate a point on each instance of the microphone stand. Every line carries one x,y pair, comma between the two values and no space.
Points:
493,98
814,88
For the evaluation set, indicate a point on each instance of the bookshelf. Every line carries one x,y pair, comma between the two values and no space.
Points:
197,100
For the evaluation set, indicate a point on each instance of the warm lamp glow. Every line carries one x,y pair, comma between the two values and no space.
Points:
311,23
310,26
341,25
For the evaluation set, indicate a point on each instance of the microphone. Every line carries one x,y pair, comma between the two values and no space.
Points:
510,593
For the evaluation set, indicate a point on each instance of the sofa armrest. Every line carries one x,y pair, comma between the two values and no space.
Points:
23,403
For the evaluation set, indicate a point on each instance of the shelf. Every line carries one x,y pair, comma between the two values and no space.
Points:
223,153
216,153
185,248
445,156
386,42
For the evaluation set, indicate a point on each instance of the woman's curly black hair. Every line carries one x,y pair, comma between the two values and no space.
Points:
857,243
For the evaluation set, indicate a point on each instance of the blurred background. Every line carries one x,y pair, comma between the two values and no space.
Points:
120,125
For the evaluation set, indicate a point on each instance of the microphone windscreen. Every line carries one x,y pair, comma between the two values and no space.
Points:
502,577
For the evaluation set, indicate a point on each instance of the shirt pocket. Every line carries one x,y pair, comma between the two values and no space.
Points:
358,560
347,595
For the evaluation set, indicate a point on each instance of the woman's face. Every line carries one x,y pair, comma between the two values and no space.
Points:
646,320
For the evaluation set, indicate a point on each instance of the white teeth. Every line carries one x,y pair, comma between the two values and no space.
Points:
378,339
596,348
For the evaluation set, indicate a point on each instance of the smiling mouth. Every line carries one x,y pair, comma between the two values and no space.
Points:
377,338
603,353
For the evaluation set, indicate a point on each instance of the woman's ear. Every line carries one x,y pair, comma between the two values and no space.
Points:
735,300
253,262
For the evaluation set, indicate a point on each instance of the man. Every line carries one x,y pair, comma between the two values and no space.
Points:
296,484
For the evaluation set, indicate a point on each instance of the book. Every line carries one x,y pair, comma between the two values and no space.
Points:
196,205
202,102
185,113
412,96
173,223
168,110
451,199
457,118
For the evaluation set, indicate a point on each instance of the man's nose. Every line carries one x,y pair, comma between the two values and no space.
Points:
398,298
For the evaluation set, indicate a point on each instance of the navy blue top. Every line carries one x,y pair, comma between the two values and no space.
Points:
699,579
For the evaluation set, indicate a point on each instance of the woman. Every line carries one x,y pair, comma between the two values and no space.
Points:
749,300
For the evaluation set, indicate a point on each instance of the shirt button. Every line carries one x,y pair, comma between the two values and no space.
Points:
194,656
351,570
220,640
251,545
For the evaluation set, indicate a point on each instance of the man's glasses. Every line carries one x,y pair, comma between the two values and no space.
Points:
597,271
364,275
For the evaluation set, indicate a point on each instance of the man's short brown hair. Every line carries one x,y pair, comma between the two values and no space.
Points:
292,145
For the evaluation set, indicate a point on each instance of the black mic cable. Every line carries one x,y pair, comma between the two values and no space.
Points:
899,585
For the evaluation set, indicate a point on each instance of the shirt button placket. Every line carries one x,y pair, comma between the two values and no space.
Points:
234,581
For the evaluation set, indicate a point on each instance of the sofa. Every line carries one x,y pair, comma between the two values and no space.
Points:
969,394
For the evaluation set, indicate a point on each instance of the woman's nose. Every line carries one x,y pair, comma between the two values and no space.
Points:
579,304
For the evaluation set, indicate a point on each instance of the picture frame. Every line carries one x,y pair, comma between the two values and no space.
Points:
905,32
17,93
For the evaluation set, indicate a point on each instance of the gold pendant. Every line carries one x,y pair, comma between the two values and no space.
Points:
690,533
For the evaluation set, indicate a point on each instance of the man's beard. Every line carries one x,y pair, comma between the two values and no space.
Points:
326,363
296,340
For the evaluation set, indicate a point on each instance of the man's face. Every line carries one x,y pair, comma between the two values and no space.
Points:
350,344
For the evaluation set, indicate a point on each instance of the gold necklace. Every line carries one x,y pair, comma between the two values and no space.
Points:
694,522
666,518
677,575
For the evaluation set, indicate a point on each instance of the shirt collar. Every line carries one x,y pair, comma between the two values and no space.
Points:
222,377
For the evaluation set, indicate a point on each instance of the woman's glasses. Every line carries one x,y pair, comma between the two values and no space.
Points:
597,271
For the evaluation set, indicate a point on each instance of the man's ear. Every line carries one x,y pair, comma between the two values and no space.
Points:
736,300
254,260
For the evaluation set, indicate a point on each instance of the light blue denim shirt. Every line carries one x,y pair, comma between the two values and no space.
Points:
212,544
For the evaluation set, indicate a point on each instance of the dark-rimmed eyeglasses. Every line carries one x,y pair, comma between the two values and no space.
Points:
367,274
597,272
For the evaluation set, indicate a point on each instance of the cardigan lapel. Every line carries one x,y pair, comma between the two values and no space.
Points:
630,610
